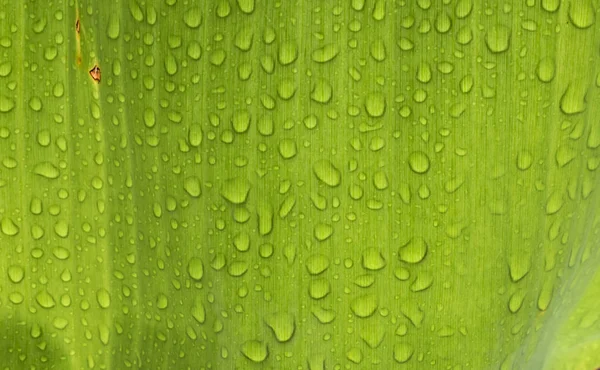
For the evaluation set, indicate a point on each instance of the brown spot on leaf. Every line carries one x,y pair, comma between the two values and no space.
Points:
95,73
77,26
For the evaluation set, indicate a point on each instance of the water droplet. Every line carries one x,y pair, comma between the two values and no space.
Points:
322,91
582,13
423,281
573,99
497,38
8,227
192,186
170,64
193,17
236,190
443,23
5,69
61,228
414,251
358,5
103,298
364,281
287,148
45,299
550,5
149,117
323,231
402,273
246,6
555,203
35,104
564,155
311,121
545,296
242,241
375,104
282,324
326,53
365,305
136,11
463,8
403,352
519,266
198,312
16,298
418,162
545,70
466,84
254,350
380,180
16,274
378,50
6,104
113,28
286,89
241,121
195,268
244,38
424,72
237,268
516,300
265,219
524,160
162,301
217,57
194,50
317,264
327,173
405,44
354,355
372,259
288,53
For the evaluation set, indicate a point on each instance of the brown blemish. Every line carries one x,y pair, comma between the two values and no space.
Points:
78,40
95,73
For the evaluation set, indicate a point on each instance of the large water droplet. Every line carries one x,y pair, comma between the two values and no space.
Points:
255,350
236,190
418,162
414,251
193,17
497,38
327,173
282,324
195,268
365,305
375,104
372,259
8,227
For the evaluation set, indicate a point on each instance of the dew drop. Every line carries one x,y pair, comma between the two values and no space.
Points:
414,251
497,39
418,162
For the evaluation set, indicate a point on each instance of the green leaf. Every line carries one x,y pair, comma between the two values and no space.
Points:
241,184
